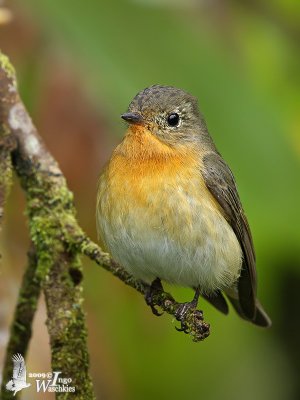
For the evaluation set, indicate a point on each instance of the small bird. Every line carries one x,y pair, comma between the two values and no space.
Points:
168,207
18,381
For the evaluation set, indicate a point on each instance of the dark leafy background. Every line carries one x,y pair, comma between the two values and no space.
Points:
79,64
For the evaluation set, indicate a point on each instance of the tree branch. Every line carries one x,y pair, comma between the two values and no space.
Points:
59,240
6,145
20,333
49,207
197,327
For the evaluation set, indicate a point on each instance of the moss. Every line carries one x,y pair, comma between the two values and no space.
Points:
5,172
66,325
7,66
5,163
5,178
50,211
20,333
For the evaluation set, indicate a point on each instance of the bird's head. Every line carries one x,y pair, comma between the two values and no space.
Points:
171,114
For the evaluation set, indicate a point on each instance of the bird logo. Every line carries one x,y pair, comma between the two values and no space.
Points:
18,381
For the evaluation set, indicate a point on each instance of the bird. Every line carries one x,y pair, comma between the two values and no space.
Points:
168,207
18,381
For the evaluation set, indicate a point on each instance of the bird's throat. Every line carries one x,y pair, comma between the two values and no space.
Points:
140,143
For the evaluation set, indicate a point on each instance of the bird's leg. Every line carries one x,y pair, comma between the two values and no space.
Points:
184,308
155,288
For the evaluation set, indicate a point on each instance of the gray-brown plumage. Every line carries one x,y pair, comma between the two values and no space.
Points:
220,181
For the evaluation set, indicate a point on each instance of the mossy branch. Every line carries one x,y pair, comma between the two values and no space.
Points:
58,241
6,142
197,327
20,333
49,207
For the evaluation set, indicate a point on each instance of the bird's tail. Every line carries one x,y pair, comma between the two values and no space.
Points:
261,317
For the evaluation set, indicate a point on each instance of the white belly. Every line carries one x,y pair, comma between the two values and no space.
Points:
175,238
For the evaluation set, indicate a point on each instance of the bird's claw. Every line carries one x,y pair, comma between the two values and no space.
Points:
156,287
184,328
181,314
154,310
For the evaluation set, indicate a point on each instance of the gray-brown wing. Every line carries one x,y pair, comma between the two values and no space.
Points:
220,181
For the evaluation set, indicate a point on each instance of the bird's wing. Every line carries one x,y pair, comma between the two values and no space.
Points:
220,182
19,372
10,385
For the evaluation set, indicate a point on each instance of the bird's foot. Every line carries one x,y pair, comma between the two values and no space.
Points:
183,310
155,288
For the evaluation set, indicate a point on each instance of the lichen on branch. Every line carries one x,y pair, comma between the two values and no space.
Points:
49,207
20,333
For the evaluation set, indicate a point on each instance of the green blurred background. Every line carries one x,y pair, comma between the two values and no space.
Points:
79,64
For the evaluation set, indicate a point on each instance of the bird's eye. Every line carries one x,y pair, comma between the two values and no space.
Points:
173,119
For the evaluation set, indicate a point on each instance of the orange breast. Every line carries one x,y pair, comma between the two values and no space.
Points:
143,165
158,219
149,180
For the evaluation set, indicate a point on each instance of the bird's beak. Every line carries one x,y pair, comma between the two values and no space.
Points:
132,117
